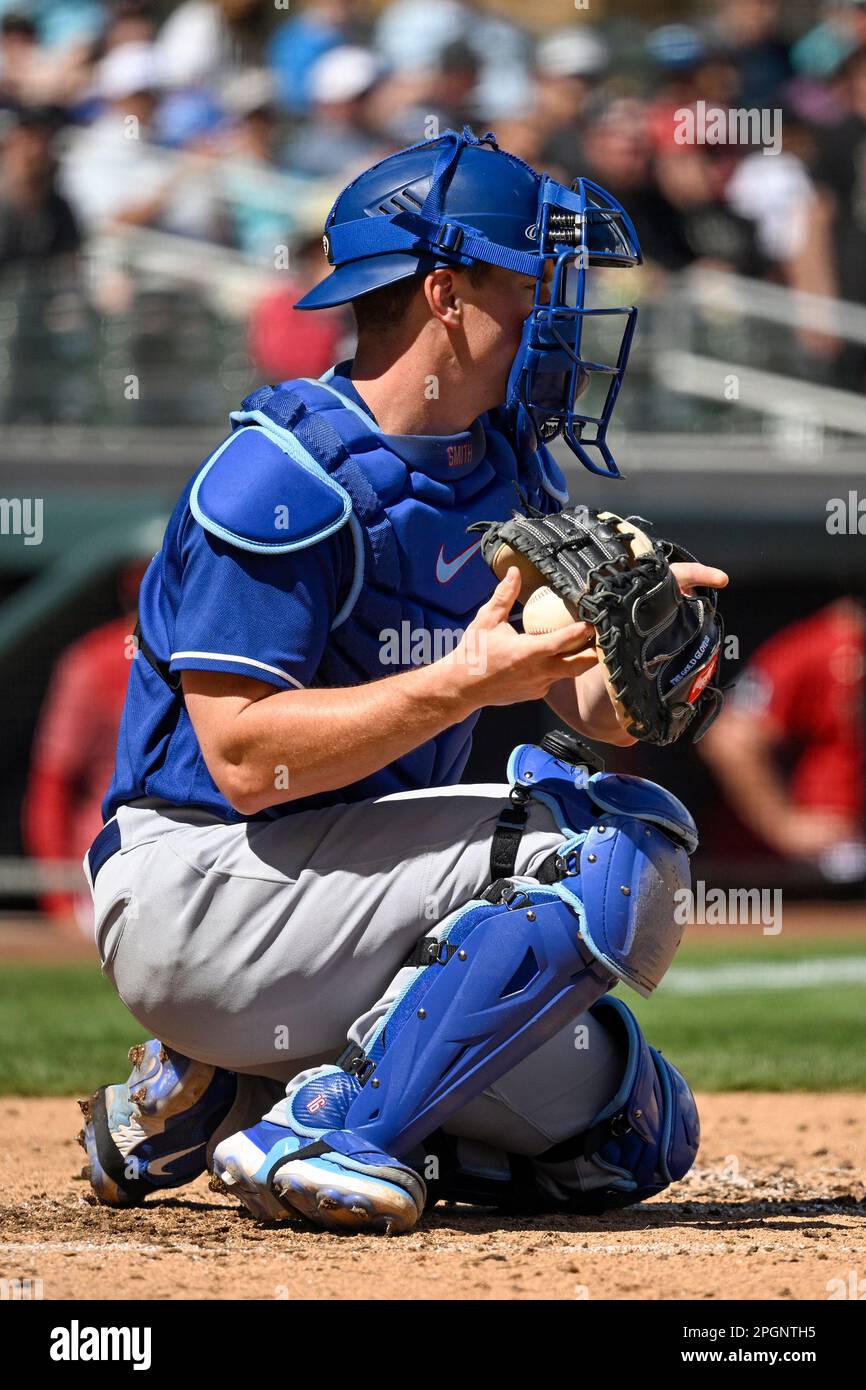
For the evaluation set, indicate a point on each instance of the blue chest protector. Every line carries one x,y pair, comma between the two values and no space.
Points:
312,504
402,504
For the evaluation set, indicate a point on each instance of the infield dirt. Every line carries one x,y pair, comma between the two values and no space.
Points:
774,1208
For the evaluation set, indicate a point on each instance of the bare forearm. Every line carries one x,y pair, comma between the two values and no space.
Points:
296,743
585,705
743,762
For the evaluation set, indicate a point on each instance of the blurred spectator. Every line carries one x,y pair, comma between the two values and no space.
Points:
205,42
411,34
618,155
749,31
833,259
800,703
259,195
337,136
842,28
692,179
569,65
187,118
455,78
286,342
74,747
51,47
776,194
60,24
36,222
410,106
113,173
299,42
677,50
130,21
688,69
19,49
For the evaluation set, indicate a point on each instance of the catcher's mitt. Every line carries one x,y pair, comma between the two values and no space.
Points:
658,647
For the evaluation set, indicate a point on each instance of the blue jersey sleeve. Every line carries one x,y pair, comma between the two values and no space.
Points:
257,615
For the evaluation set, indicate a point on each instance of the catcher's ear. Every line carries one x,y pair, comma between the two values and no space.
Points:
530,577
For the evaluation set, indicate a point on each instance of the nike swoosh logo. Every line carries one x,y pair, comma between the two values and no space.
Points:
446,569
157,1170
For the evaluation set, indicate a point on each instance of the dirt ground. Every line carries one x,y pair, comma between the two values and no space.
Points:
774,1209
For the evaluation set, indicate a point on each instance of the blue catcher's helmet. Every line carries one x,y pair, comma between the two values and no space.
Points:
459,199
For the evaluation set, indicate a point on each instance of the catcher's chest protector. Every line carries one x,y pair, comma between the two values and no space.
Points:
406,501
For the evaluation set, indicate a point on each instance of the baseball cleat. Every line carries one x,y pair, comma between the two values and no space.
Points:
151,1132
333,1177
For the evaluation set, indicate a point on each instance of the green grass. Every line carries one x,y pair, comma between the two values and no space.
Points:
63,1031
794,1040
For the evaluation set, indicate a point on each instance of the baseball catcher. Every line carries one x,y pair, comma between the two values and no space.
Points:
371,986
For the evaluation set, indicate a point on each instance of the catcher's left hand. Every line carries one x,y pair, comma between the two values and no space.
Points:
653,608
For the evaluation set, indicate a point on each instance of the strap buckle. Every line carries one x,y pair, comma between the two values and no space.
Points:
515,898
449,238
354,1060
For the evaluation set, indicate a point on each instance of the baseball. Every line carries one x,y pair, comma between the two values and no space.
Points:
545,611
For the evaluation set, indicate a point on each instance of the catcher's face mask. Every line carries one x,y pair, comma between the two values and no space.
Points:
459,199
572,357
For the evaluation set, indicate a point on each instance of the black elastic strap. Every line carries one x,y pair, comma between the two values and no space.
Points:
506,840
171,678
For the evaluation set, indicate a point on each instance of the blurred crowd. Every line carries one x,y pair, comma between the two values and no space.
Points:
234,123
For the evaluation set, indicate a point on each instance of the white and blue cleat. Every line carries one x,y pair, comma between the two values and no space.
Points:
151,1132
286,1166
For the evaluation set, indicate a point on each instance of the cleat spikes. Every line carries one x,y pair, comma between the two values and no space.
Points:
84,1107
135,1054
79,1139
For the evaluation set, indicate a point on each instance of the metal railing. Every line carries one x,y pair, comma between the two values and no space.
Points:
737,345
715,353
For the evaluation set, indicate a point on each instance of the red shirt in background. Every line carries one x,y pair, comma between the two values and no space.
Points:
807,683
73,751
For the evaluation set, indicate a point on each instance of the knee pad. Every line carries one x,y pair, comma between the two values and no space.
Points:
623,863
645,1138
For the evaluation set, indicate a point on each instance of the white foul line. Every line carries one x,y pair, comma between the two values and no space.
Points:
737,976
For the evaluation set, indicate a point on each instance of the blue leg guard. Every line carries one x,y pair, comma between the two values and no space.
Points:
510,973
643,1140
